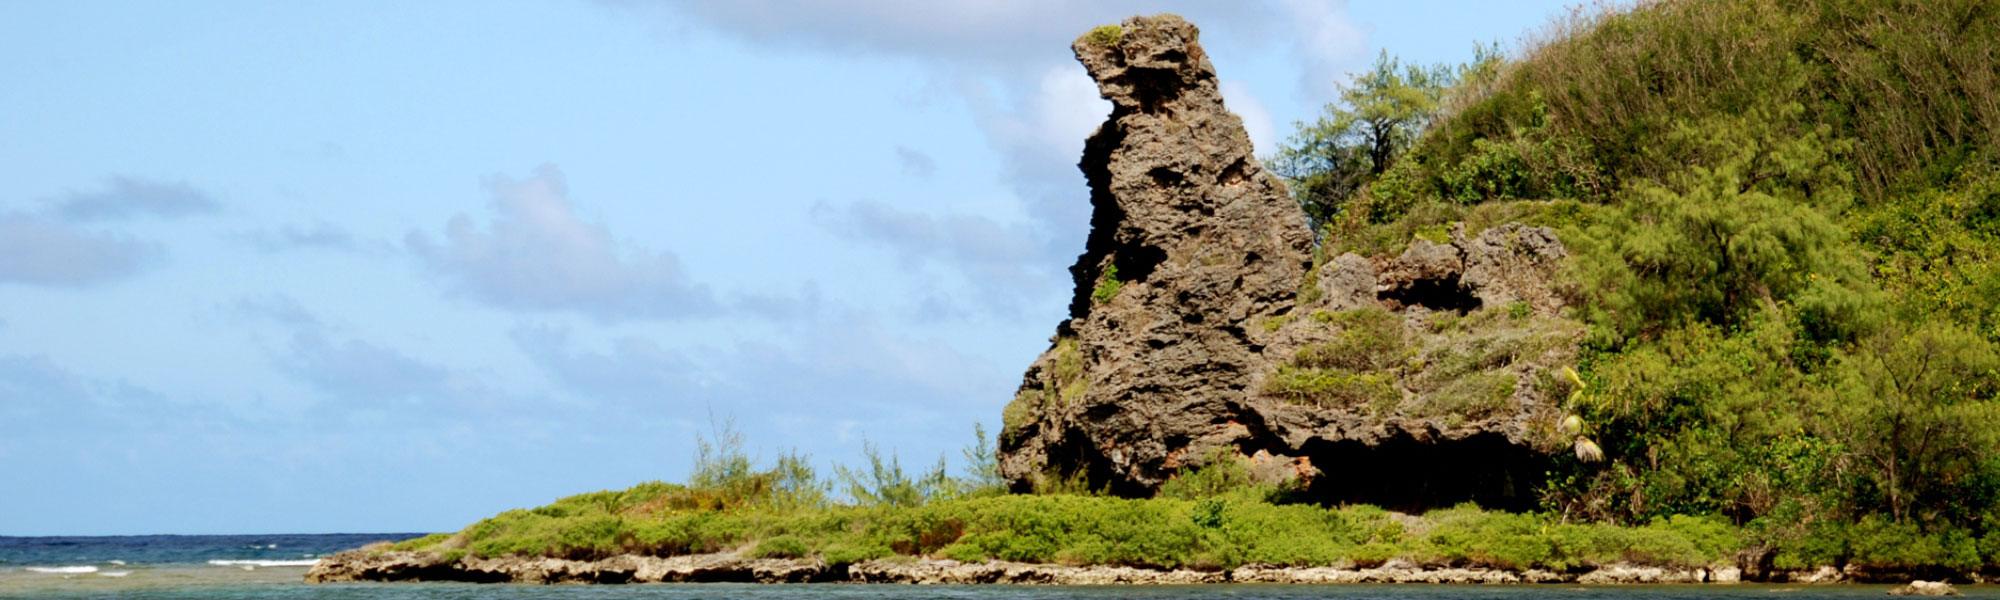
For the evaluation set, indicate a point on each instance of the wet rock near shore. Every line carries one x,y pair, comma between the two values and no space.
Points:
406,566
1925,588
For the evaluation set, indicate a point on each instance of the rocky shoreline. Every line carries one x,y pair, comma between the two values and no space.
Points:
403,566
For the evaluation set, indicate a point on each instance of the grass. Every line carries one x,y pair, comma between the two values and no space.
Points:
1107,36
1455,367
1217,532
1209,518
1063,385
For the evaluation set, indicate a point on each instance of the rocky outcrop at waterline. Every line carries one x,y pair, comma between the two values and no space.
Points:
1202,326
408,566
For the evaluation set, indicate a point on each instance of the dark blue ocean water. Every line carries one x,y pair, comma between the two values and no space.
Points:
272,567
17,553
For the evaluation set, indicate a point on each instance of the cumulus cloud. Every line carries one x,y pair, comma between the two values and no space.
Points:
358,370
319,235
1000,260
1009,61
850,361
1329,44
634,370
39,395
36,250
915,164
1256,117
125,197
30,382
993,32
536,254
277,308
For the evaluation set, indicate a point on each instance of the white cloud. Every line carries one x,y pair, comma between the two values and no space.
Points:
1329,44
991,32
850,361
277,308
319,235
1039,132
635,370
1010,61
362,371
915,164
38,251
127,197
1001,261
1256,118
536,254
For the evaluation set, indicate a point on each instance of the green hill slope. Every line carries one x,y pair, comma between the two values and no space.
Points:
1785,216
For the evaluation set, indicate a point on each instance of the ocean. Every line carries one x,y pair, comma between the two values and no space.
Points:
233,567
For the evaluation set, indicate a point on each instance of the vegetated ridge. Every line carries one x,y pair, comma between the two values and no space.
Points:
1722,271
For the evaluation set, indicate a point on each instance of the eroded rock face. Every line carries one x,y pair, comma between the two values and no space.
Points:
1201,328
1191,242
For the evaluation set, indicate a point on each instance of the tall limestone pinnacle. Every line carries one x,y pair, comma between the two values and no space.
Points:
1191,241
1201,327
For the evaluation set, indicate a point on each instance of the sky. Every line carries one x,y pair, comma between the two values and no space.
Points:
395,267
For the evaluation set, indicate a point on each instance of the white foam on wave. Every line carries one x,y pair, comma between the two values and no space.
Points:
263,563
114,573
64,570
115,562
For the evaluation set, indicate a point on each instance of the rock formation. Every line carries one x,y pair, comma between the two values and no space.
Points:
365,565
1201,327
1191,241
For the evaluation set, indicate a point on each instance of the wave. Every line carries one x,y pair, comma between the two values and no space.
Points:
263,563
114,573
115,562
64,570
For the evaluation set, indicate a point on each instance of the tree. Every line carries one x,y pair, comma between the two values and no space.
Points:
1916,412
982,465
1745,224
885,484
1381,113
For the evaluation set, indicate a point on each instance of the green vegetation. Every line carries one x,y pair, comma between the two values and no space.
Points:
1783,221
1107,36
1464,367
1208,518
1107,285
1379,116
1783,218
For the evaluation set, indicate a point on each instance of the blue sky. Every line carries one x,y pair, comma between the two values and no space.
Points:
372,266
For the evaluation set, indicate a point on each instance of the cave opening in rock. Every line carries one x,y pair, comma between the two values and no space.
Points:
1440,294
1407,475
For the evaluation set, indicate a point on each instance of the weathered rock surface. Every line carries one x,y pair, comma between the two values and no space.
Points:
1191,242
1189,336
1925,588
364,565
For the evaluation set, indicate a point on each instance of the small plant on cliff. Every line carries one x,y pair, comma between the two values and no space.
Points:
1107,285
1107,36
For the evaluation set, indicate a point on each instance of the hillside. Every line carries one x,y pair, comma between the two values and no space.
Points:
1783,220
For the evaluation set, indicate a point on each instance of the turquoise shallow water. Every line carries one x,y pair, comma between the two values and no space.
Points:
273,567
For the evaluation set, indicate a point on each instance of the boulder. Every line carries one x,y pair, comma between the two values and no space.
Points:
1925,588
